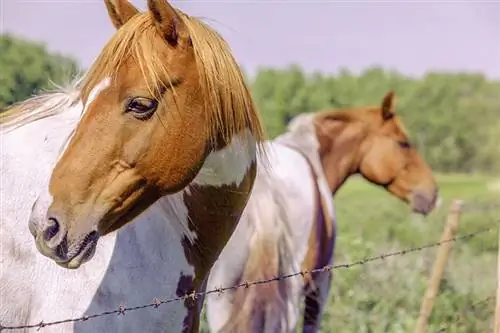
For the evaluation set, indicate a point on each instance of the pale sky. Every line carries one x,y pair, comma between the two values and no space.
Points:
410,36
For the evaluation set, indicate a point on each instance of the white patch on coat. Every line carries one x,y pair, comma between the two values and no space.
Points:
229,165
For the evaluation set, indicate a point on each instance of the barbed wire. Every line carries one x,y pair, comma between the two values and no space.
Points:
121,310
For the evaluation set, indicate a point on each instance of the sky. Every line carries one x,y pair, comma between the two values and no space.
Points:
413,37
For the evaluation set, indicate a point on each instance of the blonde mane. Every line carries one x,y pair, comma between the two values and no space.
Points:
228,101
41,106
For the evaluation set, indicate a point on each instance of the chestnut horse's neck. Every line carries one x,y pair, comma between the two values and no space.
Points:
341,156
205,214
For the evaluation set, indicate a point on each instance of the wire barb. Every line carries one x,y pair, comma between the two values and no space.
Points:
156,303
121,309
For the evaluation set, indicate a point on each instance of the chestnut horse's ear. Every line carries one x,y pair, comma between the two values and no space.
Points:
167,20
120,11
388,105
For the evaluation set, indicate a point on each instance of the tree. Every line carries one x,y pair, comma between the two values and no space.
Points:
27,67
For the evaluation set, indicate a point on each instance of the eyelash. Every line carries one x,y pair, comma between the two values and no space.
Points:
136,106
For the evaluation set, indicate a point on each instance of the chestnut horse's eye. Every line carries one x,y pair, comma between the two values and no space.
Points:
404,144
142,107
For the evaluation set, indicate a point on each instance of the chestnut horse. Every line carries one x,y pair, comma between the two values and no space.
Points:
168,136
289,224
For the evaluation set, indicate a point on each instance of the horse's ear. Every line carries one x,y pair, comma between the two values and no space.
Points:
120,11
167,20
388,106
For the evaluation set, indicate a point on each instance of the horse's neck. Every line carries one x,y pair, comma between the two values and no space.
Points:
206,212
341,159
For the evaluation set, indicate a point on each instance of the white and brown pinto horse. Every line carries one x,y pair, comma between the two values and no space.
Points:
289,224
167,139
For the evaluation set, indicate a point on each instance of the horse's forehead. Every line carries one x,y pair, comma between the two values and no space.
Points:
94,92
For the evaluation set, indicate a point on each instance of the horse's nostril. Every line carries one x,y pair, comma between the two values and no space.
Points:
93,236
51,229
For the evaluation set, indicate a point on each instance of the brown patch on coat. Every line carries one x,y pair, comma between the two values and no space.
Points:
214,213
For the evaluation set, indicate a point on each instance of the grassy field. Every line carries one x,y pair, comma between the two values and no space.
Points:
385,295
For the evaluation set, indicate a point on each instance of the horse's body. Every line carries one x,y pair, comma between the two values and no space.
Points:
164,134
289,221
271,233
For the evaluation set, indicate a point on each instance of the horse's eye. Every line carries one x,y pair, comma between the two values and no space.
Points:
404,144
142,107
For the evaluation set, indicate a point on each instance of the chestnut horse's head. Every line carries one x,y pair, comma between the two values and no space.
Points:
163,94
373,141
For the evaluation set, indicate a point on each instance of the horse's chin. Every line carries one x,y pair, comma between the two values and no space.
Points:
420,212
83,256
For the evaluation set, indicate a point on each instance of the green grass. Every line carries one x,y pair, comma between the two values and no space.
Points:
385,295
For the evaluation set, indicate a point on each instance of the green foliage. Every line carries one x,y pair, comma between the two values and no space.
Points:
452,117
27,67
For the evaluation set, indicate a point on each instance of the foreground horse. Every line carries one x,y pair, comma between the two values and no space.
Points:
288,224
168,137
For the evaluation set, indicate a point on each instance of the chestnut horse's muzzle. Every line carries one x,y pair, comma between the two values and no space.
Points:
51,239
424,202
